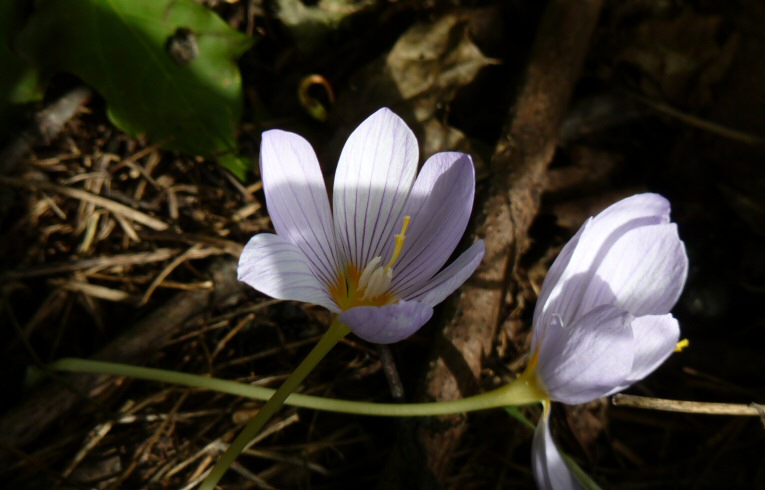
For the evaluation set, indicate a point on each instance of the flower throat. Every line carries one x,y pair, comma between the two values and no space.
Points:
370,287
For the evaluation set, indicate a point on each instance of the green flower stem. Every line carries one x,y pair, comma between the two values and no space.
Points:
335,333
518,392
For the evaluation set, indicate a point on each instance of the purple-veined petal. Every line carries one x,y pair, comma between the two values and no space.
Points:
449,279
297,199
278,268
583,361
387,324
439,206
550,470
645,270
374,176
656,337
595,239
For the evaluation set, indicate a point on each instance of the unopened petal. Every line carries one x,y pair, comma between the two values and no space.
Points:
550,470
631,212
439,206
387,324
452,277
374,176
542,313
656,337
297,199
583,361
645,270
278,268
563,292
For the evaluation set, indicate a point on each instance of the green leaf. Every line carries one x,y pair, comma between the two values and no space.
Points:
19,82
516,413
167,68
581,476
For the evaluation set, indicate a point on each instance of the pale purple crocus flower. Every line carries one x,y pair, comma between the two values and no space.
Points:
602,320
374,257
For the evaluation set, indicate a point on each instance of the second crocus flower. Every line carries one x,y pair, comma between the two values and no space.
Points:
602,320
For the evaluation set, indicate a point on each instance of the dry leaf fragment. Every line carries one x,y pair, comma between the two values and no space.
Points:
418,79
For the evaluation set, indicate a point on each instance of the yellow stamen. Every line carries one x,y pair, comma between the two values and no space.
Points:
399,242
681,345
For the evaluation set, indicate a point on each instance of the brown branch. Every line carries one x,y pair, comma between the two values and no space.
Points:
506,213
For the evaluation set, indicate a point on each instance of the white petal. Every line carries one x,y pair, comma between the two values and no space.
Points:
595,239
550,470
387,324
551,281
583,361
297,199
645,271
656,337
278,268
374,176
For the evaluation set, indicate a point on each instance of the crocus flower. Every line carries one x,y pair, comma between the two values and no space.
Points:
602,320
374,257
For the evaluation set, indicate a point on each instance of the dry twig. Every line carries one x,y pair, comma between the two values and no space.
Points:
30,418
107,204
705,408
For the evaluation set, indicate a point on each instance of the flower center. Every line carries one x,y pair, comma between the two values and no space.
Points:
370,286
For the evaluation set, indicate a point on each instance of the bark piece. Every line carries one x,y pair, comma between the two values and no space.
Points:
509,206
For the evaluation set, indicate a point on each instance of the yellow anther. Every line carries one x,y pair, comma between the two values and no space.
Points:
399,242
681,345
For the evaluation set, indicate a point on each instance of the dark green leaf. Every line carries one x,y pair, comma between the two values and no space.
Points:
165,67
19,80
